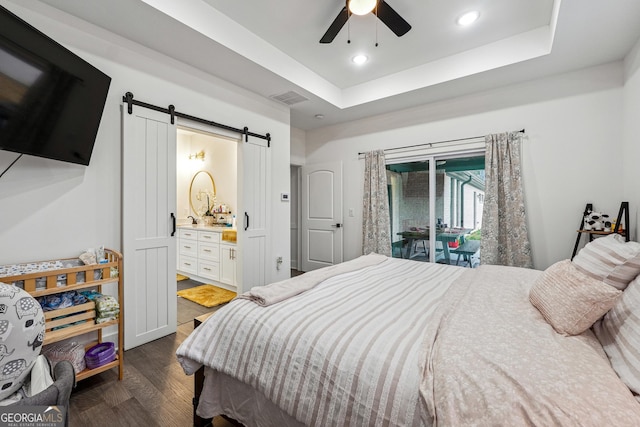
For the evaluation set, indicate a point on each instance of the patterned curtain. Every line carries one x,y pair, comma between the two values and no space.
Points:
505,240
376,226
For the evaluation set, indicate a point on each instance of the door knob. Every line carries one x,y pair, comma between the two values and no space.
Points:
338,225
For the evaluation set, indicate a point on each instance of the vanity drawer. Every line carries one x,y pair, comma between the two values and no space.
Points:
188,247
208,252
209,270
209,236
188,264
187,234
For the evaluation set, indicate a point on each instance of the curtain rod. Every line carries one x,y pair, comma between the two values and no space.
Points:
128,98
430,144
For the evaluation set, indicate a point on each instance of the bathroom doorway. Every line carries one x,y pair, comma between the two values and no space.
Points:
206,180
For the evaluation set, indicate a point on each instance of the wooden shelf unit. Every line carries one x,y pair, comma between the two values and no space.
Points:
622,212
79,319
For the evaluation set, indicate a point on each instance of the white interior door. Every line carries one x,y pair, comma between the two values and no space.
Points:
254,184
321,215
148,226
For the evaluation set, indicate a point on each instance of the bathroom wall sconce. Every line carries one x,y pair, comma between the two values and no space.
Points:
199,155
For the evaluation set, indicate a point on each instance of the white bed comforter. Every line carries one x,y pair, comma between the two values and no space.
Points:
345,353
490,359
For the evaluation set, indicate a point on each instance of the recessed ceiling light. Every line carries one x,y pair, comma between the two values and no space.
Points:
468,18
360,59
319,116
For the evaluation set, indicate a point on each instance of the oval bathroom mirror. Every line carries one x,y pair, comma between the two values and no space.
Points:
202,185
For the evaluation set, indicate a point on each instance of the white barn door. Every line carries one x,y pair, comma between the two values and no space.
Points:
148,224
254,184
321,215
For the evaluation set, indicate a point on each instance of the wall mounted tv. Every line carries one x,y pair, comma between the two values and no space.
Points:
51,100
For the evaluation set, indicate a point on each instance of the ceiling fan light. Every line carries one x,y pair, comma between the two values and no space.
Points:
468,18
359,59
361,7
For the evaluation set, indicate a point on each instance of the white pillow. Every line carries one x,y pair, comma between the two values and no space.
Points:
610,259
569,300
619,334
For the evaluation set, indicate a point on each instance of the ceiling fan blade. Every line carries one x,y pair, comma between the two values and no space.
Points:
391,19
336,26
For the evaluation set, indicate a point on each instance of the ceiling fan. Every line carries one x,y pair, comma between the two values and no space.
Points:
383,11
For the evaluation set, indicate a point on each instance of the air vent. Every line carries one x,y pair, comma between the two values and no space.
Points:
289,98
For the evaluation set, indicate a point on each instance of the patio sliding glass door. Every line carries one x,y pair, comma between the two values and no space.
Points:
444,194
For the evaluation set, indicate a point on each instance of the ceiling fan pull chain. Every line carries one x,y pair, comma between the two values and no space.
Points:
376,24
383,12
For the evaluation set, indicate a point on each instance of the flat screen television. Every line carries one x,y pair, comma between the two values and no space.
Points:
51,100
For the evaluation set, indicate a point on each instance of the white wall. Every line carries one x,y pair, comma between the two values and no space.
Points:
571,149
298,147
631,136
50,209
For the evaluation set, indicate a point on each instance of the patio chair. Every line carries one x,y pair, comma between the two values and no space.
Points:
467,250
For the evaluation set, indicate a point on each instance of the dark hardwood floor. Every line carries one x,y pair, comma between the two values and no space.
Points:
188,310
154,392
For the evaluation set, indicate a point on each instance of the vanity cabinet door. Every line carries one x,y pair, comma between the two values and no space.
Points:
228,254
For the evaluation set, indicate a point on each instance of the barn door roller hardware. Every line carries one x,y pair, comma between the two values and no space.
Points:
171,110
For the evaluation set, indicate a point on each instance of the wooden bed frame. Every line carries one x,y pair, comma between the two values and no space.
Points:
198,382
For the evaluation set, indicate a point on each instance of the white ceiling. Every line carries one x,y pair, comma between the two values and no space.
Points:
272,47
297,28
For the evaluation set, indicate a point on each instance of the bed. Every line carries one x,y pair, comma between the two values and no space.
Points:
381,341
